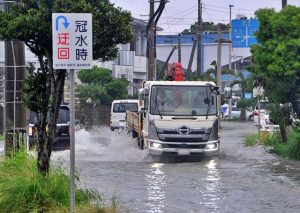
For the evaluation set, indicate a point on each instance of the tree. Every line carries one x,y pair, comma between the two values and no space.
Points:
30,21
211,73
242,81
206,26
99,87
276,58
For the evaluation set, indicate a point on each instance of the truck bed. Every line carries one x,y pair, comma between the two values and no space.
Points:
134,121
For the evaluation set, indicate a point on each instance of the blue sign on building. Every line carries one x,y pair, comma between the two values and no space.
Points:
243,32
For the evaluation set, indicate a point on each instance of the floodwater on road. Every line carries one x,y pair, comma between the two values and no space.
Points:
241,179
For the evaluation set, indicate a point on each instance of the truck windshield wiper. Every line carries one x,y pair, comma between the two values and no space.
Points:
156,106
208,103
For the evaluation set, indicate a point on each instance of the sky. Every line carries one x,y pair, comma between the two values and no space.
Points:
180,14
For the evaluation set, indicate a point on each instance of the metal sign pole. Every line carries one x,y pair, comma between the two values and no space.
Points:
72,143
72,42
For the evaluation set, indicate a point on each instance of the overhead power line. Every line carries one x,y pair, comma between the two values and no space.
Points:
226,8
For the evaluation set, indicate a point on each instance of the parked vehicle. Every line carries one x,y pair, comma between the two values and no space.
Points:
118,112
262,117
262,111
62,136
236,113
179,118
266,124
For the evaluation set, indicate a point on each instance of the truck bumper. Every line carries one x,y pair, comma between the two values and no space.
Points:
156,147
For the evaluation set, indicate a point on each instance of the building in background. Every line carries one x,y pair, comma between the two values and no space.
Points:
131,62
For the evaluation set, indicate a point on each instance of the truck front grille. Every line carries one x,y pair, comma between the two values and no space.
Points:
183,139
192,136
184,146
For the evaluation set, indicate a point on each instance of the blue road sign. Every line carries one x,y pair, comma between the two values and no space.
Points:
243,32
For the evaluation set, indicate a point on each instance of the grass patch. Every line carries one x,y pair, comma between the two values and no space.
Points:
251,140
2,137
290,149
254,139
23,189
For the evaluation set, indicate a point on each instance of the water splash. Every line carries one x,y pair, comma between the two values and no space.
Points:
101,144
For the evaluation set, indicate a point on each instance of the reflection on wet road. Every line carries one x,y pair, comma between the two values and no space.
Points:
241,179
156,182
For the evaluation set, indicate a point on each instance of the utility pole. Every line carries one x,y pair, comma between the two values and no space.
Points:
151,34
199,35
15,113
161,73
189,69
151,46
219,81
230,35
284,3
179,47
230,56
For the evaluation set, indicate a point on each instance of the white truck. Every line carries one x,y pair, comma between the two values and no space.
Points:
177,118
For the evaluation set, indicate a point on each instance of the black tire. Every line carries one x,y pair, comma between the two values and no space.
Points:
140,143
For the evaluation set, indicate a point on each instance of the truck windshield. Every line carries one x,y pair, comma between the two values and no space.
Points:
183,100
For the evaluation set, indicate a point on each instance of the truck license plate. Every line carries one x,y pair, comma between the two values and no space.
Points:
184,152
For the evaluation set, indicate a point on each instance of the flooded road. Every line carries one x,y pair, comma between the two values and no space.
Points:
241,179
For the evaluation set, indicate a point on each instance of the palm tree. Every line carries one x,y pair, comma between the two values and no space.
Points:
211,73
241,80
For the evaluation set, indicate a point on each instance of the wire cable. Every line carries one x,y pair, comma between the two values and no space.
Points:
167,19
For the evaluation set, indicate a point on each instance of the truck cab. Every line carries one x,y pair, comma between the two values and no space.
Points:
182,121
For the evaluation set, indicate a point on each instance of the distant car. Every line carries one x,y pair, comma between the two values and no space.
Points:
267,125
263,110
62,135
118,112
236,113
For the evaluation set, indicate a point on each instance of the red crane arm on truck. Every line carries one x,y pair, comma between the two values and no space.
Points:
175,72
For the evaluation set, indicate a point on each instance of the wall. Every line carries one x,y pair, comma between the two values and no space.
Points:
93,116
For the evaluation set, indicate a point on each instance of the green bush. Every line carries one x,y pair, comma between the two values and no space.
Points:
23,189
293,145
290,149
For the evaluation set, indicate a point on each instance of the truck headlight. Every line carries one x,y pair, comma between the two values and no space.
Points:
155,145
211,146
